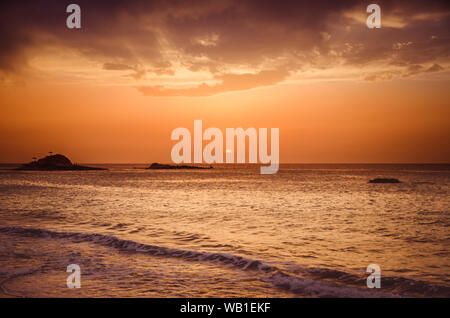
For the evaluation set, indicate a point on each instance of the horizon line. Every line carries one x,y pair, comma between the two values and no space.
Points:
247,163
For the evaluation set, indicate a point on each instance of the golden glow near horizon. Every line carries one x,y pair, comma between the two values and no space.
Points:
115,89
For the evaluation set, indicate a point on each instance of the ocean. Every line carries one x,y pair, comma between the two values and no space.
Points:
307,231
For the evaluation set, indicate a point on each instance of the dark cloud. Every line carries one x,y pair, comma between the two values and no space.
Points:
110,31
117,67
138,73
434,68
152,38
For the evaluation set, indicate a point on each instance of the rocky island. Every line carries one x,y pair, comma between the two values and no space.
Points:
158,166
54,163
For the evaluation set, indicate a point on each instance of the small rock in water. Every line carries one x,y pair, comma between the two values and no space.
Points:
384,180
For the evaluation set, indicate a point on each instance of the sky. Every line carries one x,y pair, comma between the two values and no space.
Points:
113,91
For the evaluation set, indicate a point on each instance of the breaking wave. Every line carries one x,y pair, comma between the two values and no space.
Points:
310,282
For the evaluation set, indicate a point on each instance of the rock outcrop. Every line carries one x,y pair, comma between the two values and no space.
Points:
384,180
54,162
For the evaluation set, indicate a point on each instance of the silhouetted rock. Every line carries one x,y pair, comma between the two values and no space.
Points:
54,162
384,180
158,166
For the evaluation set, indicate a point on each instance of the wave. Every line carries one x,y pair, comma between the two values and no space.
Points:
132,246
394,284
315,282
11,276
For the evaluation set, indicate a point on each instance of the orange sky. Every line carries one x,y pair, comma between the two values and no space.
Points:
341,94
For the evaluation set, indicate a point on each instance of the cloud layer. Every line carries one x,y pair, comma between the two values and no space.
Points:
202,48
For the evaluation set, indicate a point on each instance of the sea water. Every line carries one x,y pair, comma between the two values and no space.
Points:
307,231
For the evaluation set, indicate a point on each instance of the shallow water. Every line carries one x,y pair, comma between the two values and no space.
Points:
309,230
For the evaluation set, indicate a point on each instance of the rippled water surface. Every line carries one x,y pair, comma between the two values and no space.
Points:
309,230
